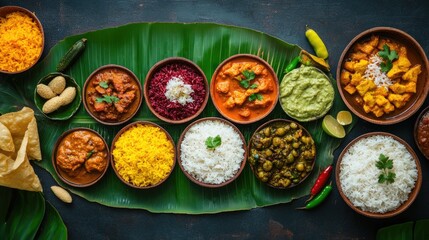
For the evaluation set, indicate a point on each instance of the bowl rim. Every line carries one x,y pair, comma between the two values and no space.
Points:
413,194
418,102
266,65
154,69
54,154
124,129
282,120
68,78
209,185
416,125
131,74
10,9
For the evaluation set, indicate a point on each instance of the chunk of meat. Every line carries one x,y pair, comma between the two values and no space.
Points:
97,164
222,86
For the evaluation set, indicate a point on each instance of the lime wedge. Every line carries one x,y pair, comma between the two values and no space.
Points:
332,127
344,118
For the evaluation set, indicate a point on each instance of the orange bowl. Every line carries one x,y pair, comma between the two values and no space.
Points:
421,131
239,100
415,54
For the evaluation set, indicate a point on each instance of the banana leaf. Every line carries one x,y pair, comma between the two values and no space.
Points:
138,46
52,226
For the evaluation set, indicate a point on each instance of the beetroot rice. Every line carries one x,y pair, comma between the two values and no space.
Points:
157,88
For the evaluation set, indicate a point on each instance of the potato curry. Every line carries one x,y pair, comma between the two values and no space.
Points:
380,75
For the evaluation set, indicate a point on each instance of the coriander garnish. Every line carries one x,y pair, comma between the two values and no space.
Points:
385,164
107,99
213,142
103,84
388,57
249,75
255,96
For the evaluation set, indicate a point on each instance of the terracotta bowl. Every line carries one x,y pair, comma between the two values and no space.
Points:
413,194
80,177
256,154
218,99
139,148
134,106
179,152
148,93
415,54
424,148
10,9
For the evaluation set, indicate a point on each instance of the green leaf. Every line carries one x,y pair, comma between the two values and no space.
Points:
89,154
145,44
388,57
104,84
213,142
248,76
403,231
52,226
107,99
255,96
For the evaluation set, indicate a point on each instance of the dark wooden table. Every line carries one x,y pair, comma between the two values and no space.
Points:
336,21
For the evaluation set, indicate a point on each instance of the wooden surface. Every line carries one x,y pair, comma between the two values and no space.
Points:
336,21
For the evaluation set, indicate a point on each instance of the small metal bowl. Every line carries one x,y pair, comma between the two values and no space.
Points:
148,92
192,178
411,197
83,178
134,106
10,9
139,148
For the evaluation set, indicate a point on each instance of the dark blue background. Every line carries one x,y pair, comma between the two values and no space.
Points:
337,22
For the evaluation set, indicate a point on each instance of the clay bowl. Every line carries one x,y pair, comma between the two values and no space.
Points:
138,148
424,148
175,66
80,177
412,195
10,9
219,98
199,146
256,153
415,54
132,109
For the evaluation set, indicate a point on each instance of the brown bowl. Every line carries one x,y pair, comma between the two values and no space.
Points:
125,129
133,107
80,177
195,149
255,156
150,90
231,114
10,9
415,54
418,133
413,194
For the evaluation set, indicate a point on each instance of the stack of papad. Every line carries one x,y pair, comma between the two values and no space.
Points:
19,143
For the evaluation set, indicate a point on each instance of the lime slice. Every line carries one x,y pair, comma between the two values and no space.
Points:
344,118
332,127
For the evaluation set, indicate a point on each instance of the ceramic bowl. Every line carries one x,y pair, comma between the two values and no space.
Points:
89,89
159,84
415,54
420,134
201,147
246,107
412,195
140,148
80,177
10,9
64,112
268,138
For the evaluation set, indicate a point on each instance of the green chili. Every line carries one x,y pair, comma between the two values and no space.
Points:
319,198
293,64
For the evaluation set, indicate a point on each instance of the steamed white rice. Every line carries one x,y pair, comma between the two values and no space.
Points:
359,174
212,166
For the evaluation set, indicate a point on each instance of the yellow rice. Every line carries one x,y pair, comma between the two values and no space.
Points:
20,42
143,155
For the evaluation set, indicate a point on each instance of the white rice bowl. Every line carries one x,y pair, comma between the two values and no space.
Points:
358,174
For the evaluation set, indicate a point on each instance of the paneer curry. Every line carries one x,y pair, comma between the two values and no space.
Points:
244,89
380,76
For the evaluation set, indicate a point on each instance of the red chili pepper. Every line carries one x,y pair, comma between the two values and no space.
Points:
321,181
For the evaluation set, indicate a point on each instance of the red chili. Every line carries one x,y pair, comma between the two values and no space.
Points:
321,181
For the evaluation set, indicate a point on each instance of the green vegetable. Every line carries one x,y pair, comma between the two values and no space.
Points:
89,154
249,75
104,85
255,96
71,55
293,64
385,164
388,57
213,142
319,197
316,42
107,99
